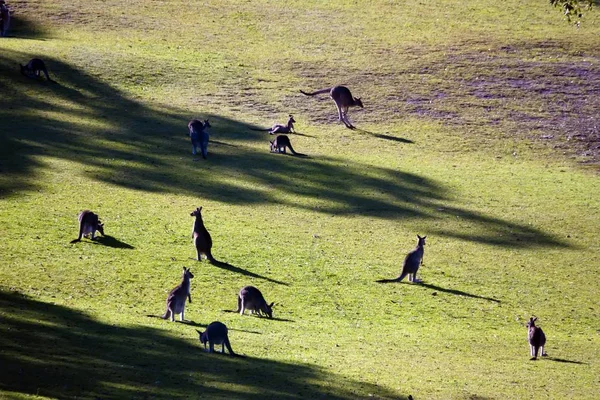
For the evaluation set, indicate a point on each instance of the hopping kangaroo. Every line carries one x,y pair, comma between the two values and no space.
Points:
199,135
412,262
343,100
537,338
177,296
33,69
88,225
280,143
201,237
250,298
216,333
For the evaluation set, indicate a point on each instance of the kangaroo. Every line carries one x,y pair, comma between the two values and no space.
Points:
412,262
199,135
280,143
250,298
280,128
537,339
201,237
33,69
88,225
177,296
343,100
216,333
4,18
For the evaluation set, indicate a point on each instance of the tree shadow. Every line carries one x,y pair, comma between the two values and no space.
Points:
457,292
53,351
24,28
244,272
36,121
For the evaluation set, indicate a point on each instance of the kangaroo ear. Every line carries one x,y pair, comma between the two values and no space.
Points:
271,305
419,236
199,208
534,319
100,223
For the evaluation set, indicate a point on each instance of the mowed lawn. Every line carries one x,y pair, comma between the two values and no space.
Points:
480,130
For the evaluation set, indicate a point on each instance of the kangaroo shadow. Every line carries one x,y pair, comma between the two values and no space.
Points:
562,360
385,137
52,351
110,241
457,292
232,268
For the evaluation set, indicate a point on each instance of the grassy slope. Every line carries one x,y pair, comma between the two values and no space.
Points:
512,228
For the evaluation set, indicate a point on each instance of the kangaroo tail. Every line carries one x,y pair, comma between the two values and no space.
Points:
210,258
295,153
48,76
228,345
239,304
387,280
80,233
317,92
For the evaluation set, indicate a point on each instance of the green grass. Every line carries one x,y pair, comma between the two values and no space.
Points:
471,135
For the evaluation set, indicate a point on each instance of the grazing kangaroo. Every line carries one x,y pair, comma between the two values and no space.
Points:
201,237
177,296
280,143
33,69
537,338
216,333
88,225
343,100
250,298
412,262
199,135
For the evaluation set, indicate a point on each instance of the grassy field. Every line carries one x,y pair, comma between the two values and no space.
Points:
480,130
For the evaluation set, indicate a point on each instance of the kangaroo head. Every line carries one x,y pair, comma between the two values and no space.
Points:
421,240
358,102
531,323
100,227
187,273
196,212
203,338
207,124
269,309
292,119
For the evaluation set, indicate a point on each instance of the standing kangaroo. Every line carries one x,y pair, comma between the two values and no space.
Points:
4,18
199,135
250,298
88,225
201,237
537,338
177,296
33,69
343,100
412,262
280,143
216,333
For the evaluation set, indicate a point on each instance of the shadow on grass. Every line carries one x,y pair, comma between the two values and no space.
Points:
562,360
53,351
113,242
244,272
458,292
386,137
126,143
